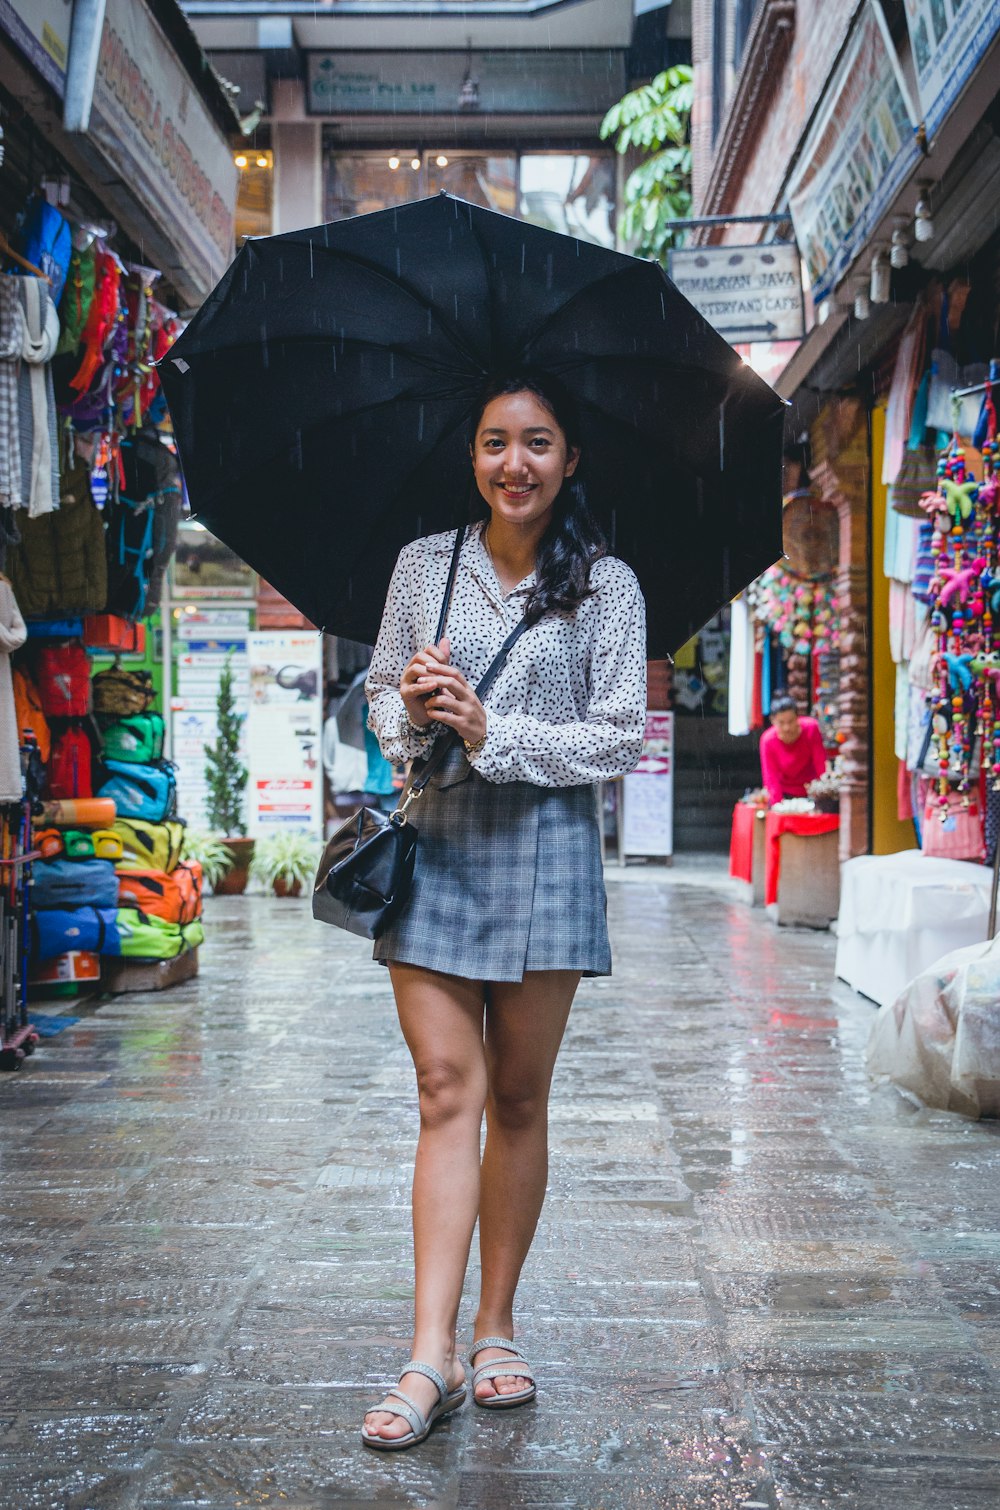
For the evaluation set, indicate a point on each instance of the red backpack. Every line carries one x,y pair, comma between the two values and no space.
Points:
69,770
62,676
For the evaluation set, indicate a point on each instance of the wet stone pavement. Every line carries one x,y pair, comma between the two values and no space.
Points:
755,1282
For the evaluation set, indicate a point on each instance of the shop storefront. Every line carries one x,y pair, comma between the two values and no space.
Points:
111,226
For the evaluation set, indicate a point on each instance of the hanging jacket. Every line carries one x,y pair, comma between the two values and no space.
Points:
60,566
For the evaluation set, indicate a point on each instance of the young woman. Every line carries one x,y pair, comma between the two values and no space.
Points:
507,909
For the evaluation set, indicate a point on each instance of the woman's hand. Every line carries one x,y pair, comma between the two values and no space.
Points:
452,702
417,681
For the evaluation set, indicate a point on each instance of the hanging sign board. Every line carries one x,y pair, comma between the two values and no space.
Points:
860,149
648,793
284,731
948,43
40,30
748,293
508,82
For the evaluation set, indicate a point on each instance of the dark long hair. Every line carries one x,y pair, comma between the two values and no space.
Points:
573,540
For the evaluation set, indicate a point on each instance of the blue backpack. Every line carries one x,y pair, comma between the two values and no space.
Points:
141,791
47,241
63,883
59,931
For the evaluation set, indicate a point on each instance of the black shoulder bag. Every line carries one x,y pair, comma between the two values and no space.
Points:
367,868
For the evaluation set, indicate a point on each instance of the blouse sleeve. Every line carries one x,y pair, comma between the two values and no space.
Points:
769,772
12,628
605,744
398,739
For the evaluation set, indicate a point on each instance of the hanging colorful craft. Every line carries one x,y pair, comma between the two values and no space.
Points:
965,610
802,614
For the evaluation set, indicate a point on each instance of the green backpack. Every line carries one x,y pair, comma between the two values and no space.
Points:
146,937
138,739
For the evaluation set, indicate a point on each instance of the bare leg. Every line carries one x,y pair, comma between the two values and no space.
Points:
524,1028
442,1021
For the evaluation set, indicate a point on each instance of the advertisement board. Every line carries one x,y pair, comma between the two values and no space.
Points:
205,638
284,731
648,826
747,293
40,30
860,148
949,39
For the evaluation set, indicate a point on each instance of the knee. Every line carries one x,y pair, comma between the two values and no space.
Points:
517,1108
447,1092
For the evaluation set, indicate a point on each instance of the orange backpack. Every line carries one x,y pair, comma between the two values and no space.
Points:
28,707
176,898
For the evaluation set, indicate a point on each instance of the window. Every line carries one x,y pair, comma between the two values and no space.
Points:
742,21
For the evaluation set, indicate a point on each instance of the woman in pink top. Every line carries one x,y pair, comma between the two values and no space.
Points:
791,751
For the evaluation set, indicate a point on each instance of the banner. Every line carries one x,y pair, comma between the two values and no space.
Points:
860,149
40,29
284,731
648,827
949,39
205,638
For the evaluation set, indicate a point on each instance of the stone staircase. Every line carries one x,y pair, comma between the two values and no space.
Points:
712,770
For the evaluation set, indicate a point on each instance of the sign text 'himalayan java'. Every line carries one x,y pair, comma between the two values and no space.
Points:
748,293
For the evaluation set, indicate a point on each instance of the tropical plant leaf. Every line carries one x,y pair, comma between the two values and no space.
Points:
654,120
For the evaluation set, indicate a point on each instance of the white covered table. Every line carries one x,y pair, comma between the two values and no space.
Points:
899,913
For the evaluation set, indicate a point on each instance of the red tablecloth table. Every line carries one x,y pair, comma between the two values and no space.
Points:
741,842
790,823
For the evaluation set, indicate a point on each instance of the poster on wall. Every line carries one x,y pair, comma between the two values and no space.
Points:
649,793
860,149
949,39
205,640
284,731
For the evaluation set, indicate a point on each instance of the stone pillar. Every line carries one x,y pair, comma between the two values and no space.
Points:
297,143
798,681
840,452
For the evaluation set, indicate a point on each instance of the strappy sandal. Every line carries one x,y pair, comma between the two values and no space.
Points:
409,1410
502,1368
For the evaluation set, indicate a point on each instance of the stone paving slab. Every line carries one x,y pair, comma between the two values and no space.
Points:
757,1285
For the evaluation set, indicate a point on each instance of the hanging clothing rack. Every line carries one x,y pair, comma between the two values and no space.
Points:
977,388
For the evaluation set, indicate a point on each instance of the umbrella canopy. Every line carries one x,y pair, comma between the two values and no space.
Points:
322,398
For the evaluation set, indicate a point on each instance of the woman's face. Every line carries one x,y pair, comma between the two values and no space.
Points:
521,458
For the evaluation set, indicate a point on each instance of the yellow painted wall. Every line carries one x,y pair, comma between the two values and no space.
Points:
888,833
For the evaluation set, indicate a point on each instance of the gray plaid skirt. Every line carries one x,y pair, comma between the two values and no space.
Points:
508,879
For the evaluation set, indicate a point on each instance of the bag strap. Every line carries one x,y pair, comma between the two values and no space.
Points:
483,686
450,584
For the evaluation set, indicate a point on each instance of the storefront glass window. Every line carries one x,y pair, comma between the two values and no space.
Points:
487,181
357,184
572,192
253,193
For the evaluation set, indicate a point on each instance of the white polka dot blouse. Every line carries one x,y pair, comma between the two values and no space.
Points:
569,706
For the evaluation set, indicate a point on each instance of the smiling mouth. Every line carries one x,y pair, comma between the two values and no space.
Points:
517,492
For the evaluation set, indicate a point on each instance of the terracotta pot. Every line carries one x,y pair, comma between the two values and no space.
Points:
283,888
234,882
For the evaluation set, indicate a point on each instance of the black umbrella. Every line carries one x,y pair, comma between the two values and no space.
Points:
322,395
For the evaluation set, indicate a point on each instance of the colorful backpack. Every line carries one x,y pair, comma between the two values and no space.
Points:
47,241
146,937
29,712
60,930
73,883
141,791
135,739
150,846
176,898
119,693
69,772
62,676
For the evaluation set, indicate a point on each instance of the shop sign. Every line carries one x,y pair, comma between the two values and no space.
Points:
748,293
948,41
860,149
648,793
208,641
151,125
507,82
284,731
40,30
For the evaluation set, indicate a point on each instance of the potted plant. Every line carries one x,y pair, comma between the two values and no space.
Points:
227,778
285,863
212,854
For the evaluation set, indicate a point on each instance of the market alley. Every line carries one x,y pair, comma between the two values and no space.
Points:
755,1283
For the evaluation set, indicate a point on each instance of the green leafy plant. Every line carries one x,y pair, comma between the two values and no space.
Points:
655,120
212,854
290,859
225,773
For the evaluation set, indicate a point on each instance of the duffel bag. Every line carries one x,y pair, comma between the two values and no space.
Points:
136,739
176,898
73,883
69,772
144,936
150,846
140,791
60,930
119,693
62,677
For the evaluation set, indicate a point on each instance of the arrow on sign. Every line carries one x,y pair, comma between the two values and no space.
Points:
746,330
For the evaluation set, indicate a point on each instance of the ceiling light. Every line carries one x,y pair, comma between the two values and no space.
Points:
899,255
394,163
262,161
441,161
414,163
881,280
923,225
240,161
862,304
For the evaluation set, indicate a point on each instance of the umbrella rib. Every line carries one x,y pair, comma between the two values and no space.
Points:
580,293
317,337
